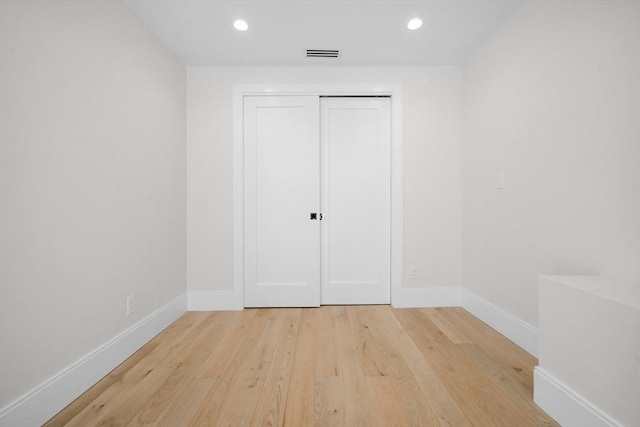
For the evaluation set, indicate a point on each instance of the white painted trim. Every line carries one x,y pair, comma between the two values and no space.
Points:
566,406
394,90
215,300
47,399
238,191
427,297
517,330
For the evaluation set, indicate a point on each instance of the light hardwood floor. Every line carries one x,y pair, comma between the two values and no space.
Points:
328,366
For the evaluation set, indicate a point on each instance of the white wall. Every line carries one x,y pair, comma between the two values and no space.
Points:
92,182
588,372
431,166
552,99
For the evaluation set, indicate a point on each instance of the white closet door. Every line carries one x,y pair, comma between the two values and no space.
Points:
282,188
356,190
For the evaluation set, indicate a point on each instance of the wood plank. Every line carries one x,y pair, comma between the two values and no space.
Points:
271,407
370,356
358,407
507,381
329,407
412,401
122,407
230,343
75,407
475,393
386,405
186,404
454,333
300,407
227,371
189,360
435,406
328,366
499,348
111,400
241,401
177,330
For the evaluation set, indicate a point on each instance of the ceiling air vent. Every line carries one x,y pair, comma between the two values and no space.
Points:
322,53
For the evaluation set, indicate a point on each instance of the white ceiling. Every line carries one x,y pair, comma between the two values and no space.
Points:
367,32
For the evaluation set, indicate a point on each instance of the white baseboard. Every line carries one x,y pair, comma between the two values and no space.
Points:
426,297
517,330
215,300
405,298
565,405
43,402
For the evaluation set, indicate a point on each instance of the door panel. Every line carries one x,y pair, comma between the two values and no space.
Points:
355,157
281,163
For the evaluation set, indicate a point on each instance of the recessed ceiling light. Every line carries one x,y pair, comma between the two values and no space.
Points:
414,24
240,25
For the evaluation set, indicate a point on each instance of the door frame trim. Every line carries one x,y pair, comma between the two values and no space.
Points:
393,90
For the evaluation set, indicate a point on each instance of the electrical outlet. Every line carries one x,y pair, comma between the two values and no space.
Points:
413,272
131,304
